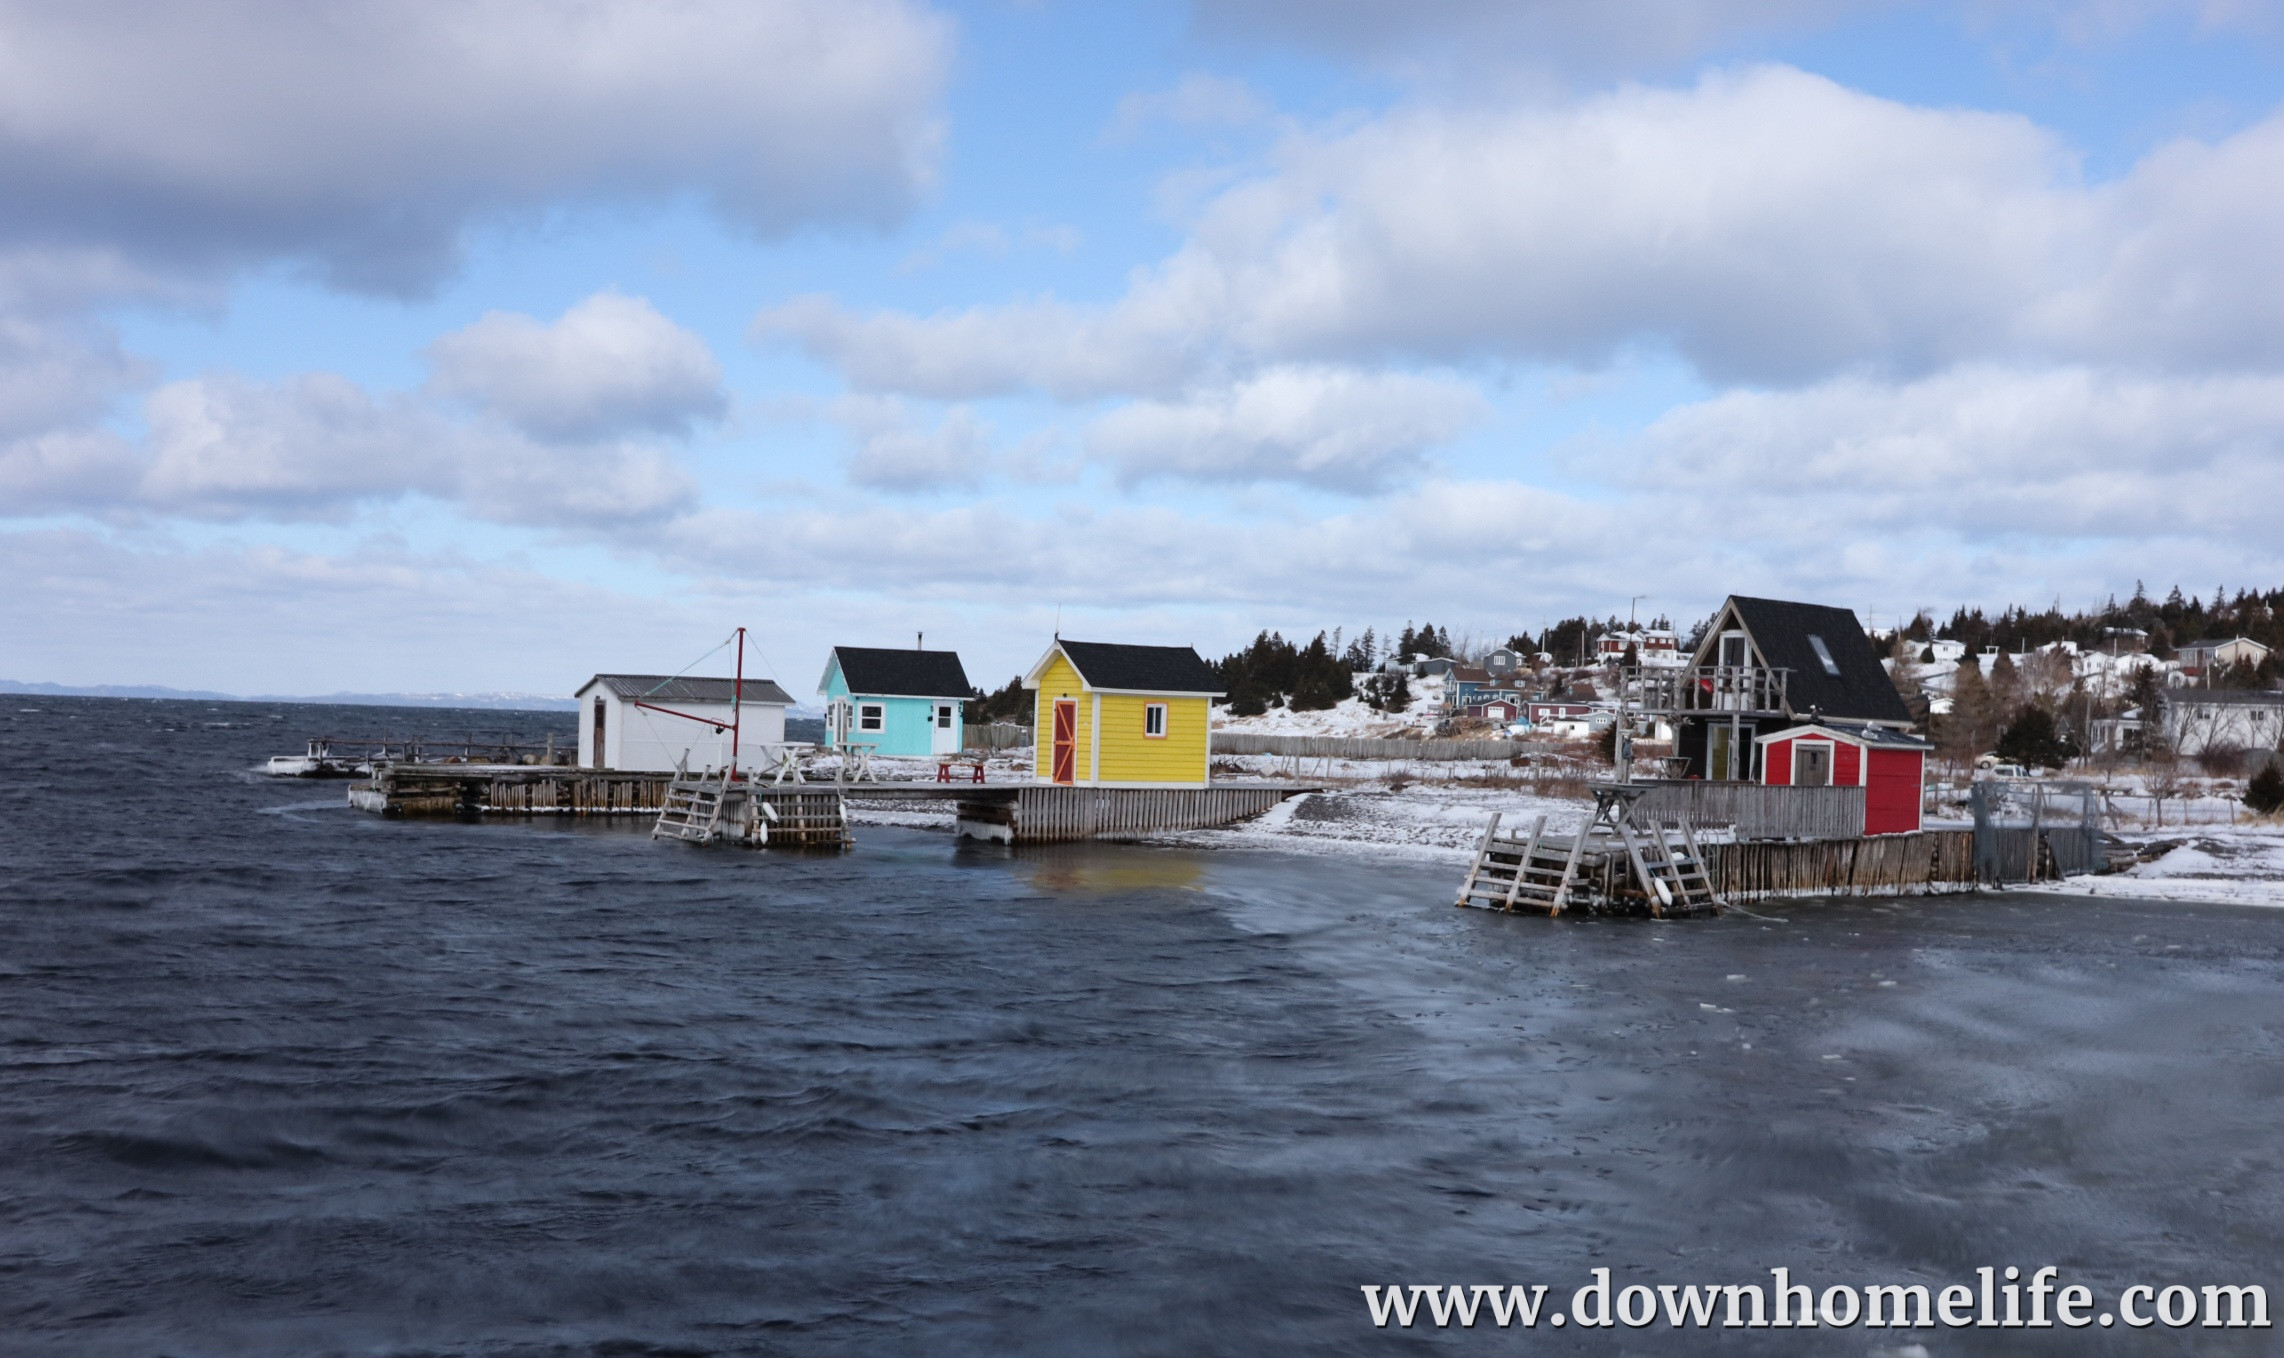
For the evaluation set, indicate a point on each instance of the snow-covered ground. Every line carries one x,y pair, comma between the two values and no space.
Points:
2236,864
1350,718
1435,812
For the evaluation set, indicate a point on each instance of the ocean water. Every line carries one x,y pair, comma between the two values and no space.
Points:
279,1078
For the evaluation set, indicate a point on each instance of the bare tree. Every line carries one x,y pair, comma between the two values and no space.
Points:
2161,776
1903,670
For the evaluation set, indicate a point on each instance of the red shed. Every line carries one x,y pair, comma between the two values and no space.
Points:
1888,765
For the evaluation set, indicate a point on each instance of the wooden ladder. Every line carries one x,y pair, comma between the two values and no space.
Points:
1671,869
691,811
1531,873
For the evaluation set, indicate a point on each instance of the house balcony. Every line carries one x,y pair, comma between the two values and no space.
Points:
1743,690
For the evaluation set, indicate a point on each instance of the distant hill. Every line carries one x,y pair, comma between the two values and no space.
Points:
515,702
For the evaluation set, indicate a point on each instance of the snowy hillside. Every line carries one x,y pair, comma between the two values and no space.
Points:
1351,718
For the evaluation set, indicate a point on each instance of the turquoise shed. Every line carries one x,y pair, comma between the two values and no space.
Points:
907,702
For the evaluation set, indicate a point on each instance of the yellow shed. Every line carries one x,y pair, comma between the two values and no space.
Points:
1122,716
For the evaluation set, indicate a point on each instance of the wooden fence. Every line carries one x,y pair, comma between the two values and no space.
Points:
996,736
1933,860
1757,812
1346,747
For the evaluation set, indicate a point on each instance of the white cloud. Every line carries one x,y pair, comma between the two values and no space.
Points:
56,376
363,137
1335,428
318,446
895,451
1767,224
1068,351
90,607
1388,555
609,366
66,469
307,447
1983,453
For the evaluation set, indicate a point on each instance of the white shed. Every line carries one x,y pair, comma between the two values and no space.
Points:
651,722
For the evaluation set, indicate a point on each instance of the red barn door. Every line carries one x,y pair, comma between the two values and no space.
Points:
1066,741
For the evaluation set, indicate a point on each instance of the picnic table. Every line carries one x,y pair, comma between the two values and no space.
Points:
951,767
856,763
787,761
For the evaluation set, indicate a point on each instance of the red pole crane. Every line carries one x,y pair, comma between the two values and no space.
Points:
737,701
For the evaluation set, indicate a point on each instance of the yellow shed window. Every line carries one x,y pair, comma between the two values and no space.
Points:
1154,721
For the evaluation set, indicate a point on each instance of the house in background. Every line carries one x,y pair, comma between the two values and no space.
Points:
1542,711
2197,721
1654,647
906,702
1765,665
1502,711
1889,765
1109,715
1467,688
2198,658
656,723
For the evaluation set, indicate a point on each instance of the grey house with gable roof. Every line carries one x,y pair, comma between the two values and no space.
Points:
1765,665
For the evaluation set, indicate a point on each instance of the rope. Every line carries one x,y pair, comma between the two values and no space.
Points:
653,690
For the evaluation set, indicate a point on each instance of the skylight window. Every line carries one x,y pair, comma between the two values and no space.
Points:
1824,653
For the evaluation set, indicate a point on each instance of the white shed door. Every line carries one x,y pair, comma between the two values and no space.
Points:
944,738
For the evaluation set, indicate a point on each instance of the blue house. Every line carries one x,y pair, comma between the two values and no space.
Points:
908,702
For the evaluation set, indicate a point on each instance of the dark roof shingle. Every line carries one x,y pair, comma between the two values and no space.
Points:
1861,691
891,672
1147,669
660,688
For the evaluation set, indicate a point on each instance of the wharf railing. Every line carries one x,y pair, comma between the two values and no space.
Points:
474,747
1706,688
1754,811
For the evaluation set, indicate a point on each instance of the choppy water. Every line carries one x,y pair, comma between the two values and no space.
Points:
276,1078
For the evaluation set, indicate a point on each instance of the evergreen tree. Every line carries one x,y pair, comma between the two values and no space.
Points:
1388,691
1273,672
1013,703
2031,741
2265,793
2145,690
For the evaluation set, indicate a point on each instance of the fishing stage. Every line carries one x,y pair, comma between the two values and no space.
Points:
804,815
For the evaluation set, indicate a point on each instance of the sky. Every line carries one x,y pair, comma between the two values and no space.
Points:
391,346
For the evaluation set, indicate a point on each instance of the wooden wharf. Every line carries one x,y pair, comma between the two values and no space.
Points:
1042,813
805,815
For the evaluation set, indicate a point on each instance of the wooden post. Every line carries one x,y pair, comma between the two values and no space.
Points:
1522,869
1475,869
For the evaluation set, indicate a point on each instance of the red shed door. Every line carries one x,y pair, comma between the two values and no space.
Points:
1066,741
1892,793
